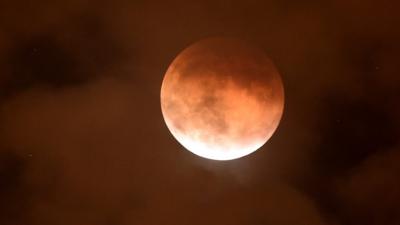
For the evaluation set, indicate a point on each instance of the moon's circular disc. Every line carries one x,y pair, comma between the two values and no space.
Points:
222,99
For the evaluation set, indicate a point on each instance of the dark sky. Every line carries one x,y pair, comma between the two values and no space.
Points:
83,141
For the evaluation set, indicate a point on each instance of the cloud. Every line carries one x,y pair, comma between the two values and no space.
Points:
86,144
370,192
92,156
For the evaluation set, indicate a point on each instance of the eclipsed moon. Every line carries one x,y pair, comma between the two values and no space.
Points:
222,98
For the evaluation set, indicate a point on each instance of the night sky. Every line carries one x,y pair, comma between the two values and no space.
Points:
83,140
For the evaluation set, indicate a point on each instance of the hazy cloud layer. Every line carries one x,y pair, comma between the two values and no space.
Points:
83,140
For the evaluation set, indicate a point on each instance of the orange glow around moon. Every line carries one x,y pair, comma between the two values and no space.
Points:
222,99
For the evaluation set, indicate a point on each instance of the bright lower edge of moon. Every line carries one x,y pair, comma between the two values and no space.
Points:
222,99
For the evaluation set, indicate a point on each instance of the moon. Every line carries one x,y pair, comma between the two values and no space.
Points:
222,98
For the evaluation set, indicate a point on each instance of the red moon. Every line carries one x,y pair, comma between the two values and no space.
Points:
222,98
